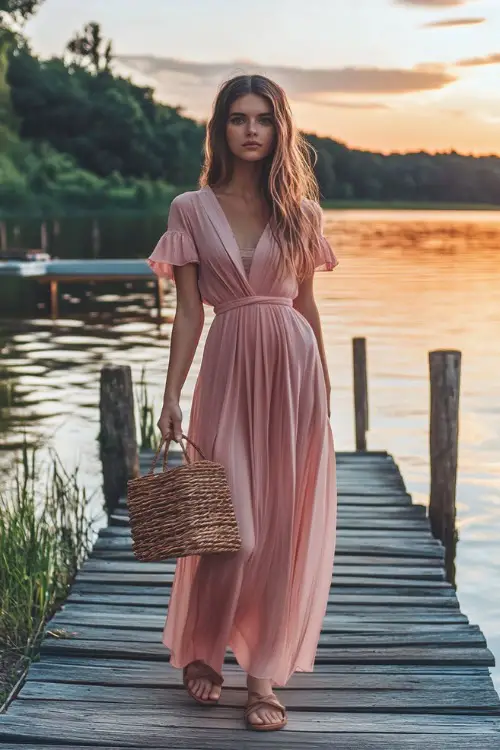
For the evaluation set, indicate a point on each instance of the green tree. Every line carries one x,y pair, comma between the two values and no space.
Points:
105,122
325,173
90,50
18,10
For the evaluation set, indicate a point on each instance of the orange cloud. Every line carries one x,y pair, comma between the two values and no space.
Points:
347,104
432,3
492,59
454,22
300,82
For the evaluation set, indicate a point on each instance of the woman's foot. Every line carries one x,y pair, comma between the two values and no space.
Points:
204,690
264,715
202,683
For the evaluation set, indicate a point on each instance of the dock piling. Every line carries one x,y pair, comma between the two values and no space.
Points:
360,376
54,299
44,237
117,437
444,369
3,236
96,239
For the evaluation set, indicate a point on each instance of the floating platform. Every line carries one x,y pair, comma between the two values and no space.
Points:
76,270
54,272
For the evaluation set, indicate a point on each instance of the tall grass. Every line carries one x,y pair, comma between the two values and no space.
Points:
148,431
45,534
6,393
7,396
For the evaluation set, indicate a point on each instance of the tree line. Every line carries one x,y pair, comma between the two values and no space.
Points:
76,135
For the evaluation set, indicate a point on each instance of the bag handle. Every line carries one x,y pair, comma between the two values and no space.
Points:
166,442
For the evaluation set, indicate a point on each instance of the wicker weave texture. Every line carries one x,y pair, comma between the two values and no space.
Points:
182,511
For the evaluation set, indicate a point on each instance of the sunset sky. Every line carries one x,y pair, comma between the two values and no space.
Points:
377,74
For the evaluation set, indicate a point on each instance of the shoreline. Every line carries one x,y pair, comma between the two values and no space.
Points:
405,206
328,205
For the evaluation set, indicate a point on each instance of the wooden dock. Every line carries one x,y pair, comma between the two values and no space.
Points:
398,665
95,270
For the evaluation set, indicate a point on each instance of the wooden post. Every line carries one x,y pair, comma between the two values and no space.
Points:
360,391
44,237
3,236
54,301
96,239
444,368
117,436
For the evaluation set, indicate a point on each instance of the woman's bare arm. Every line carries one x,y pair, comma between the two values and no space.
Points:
186,332
305,304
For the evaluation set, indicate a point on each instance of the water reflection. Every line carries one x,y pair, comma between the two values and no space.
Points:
408,282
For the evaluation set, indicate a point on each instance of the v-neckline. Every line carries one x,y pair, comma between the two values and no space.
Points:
229,228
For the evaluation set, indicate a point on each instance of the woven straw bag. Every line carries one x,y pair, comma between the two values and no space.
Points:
182,511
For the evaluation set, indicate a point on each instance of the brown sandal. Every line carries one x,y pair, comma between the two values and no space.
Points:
260,701
198,670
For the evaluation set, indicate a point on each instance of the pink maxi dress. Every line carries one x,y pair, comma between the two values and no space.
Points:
259,408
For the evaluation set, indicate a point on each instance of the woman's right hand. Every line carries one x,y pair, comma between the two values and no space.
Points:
170,421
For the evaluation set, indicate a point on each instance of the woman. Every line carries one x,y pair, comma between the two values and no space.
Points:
248,243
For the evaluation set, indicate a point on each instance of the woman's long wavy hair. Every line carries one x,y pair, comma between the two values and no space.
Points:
288,181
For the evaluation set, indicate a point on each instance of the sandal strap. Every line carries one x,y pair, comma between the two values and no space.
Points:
263,701
198,670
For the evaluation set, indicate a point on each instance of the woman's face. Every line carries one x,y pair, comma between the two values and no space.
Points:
250,129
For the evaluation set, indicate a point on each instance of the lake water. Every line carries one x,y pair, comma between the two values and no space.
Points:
408,282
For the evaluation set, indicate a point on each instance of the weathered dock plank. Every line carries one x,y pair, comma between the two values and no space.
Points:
435,698
428,654
399,666
198,741
203,739
466,636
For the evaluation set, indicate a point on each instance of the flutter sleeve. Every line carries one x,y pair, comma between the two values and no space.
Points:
176,247
325,259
